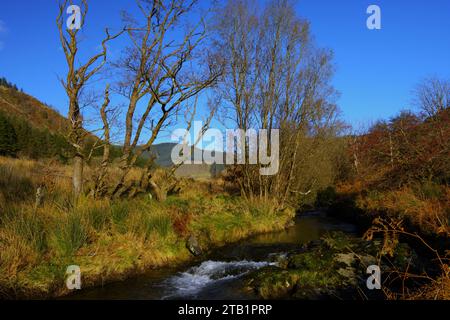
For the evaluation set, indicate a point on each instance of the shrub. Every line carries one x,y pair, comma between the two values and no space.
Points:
326,197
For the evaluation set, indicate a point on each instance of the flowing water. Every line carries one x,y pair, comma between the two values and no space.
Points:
219,275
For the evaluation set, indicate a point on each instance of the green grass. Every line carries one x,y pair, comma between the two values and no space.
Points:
99,218
428,190
70,234
162,224
119,214
112,239
26,225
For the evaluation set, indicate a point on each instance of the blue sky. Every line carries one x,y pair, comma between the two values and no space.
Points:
376,70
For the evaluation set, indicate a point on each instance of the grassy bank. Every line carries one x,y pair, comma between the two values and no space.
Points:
110,240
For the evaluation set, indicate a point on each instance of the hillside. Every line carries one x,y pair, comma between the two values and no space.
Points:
38,114
30,128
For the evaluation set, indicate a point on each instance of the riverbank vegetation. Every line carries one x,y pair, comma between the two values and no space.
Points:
110,239
401,166
397,185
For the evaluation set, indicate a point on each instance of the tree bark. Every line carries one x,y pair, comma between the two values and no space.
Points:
77,179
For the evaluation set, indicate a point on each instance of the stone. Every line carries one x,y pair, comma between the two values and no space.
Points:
346,258
193,246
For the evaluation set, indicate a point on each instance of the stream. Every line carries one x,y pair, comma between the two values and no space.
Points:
219,275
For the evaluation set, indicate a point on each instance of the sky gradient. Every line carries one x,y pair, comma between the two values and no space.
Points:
376,70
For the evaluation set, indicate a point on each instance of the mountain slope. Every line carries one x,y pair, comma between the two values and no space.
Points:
37,114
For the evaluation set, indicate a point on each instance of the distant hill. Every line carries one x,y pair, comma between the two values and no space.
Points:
163,152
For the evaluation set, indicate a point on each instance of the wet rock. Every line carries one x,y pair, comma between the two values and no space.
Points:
368,260
349,275
193,246
346,258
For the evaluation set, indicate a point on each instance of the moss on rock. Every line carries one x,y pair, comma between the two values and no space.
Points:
334,267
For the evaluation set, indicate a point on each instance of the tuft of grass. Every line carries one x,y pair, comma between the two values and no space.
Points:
181,204
22,244
119,214
28,226
429,190
150,225
70,234
160,223
98,217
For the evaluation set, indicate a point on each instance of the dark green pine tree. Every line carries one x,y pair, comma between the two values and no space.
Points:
23,133
8,138
38,144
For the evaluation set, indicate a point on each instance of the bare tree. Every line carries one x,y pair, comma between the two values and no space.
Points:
108,115
77,77
276,79
433,95
161,74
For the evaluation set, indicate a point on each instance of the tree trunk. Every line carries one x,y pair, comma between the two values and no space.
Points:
77,179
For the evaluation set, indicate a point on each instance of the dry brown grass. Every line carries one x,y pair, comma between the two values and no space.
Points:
108,239
431,215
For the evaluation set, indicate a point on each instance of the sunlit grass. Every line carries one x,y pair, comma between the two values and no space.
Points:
108,239
421,207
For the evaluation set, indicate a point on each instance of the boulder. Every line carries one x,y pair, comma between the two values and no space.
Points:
193,246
